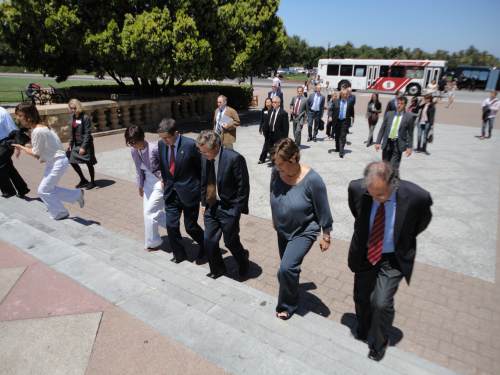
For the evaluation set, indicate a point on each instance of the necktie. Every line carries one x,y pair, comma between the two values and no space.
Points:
172,160
376,241
218,126
297,104
395,125
211,184
273,118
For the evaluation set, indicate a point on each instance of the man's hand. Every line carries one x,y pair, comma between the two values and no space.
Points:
141,192
377,146
324,245
81,151
408,152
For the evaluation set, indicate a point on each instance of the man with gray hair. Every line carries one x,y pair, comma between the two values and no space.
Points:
389,214
225,189
226,120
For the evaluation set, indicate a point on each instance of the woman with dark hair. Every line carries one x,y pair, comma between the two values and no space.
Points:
47,147
372,113
425,123
266,111
149,185
300,210
81,145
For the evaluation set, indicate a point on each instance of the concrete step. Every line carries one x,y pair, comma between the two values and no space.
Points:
228,322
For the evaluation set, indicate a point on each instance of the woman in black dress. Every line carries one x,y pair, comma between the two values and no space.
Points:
372,112
81,146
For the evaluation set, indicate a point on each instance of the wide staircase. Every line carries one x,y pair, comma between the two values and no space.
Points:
227,322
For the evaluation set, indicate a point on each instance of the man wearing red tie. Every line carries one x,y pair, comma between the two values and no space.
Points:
180,166
389,214
298,110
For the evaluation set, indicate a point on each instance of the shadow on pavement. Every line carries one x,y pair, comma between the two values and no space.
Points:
308,302
349,320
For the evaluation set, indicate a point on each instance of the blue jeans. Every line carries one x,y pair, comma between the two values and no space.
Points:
423,130
487,124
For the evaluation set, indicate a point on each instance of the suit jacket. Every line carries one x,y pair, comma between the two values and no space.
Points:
233,186
301,116
334,110
228,135
413,215
281,125
431,112
147,158
279,93
186,178
405,133
82,133
310,101
391,106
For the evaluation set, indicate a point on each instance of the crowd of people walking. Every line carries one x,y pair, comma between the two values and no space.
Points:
176,174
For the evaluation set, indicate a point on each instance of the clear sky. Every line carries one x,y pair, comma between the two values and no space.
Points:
426,24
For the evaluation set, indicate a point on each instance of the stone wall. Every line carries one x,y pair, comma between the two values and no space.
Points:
109,114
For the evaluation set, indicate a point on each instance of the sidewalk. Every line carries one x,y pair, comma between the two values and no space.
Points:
446,317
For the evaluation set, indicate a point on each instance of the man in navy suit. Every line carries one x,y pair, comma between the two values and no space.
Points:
316,106
180,166
275,91
225,189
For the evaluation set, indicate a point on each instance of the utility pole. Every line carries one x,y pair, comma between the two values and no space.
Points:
328,50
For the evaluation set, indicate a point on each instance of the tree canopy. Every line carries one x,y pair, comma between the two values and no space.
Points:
169,40
298,52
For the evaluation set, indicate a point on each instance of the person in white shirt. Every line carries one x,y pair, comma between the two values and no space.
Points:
47,147
490,107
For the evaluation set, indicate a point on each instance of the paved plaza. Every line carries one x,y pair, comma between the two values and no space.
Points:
450,315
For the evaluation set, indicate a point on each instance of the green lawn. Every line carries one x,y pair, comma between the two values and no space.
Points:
11,88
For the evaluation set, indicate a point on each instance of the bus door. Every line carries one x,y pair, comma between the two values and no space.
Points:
428,73
372,74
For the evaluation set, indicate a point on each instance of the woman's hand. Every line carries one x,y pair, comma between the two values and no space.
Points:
324,245
141,192
82,151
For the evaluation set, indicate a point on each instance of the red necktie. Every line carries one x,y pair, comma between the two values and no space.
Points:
172,160
296,109
376,241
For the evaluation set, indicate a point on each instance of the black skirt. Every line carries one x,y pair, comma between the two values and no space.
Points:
88,158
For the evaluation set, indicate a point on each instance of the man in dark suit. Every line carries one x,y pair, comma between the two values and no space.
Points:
11,182
298,111
225,190
316,106
396,135
180,166
393,103
275,127
389,214
341,112
276,91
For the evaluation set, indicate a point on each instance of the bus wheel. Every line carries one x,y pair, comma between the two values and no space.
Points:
413,89
343,83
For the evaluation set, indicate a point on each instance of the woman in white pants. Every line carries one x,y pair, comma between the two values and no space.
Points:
149,184
46,147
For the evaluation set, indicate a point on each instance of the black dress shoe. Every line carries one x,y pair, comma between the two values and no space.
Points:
314,139
341,154
90,185
243,268
308,139
81,184
215,275
22,194
361,336
177,260
8,195
377,355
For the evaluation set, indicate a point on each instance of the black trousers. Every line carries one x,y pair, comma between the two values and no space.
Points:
341,127
173,210
220,222
392,154
269,142
11,181
374,292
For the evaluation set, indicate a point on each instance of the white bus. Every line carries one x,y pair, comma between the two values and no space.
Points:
411,76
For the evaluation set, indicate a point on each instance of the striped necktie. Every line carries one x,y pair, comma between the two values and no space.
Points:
376,241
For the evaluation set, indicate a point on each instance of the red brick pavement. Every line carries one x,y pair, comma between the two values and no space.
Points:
445,317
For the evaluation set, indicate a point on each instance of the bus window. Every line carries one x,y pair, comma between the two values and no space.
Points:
397,71
359,70
414,72
384,71
483,76
332,70
346,70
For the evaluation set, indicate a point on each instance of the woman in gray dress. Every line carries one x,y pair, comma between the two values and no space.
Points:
81,145
300,210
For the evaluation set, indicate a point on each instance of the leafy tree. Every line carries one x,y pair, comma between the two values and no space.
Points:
174,40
